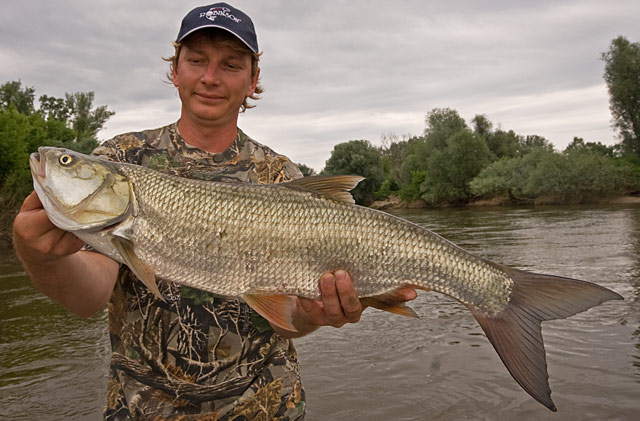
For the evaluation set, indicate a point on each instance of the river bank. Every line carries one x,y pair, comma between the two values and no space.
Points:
395,202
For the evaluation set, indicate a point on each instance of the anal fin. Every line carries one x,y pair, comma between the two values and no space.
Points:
277,309
389,302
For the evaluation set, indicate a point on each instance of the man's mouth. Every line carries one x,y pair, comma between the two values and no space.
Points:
210,97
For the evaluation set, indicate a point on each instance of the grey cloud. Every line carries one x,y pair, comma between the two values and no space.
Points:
340,70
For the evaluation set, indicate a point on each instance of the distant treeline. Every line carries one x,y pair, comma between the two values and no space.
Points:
452,163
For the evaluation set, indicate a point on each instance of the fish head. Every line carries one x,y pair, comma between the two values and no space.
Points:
79,192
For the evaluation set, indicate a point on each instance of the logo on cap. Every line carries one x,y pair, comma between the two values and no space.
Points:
214,12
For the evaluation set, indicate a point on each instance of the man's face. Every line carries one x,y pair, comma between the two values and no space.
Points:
212,82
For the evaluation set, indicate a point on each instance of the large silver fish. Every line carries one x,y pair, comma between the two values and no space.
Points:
267,242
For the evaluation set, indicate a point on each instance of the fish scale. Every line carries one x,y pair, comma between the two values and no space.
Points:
264,243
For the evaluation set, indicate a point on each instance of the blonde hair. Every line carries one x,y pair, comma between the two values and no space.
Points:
219,38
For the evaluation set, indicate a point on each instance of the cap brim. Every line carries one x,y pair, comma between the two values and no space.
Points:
219,27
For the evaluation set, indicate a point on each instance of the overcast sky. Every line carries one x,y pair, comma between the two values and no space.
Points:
333,70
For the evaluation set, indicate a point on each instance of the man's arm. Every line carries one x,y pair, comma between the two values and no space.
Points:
338,306
82,281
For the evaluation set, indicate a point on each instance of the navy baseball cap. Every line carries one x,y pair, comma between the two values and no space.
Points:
223,16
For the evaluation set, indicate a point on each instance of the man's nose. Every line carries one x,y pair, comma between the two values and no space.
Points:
211,74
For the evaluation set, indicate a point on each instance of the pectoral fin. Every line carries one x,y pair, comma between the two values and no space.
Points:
137,266
277,309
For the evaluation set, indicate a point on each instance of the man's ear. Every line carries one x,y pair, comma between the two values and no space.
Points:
174,76
254,83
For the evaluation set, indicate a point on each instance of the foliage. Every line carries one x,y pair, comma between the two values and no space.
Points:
622,75
306,170
12,94
579,175
442,123
20,135
415,174
71,123
578,144
357,157
414,162
451,169
412,190
393,153
453,164
388,188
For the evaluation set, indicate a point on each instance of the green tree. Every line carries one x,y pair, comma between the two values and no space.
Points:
622,75
533,142
85,120
451,169
504,144
54,108
507,144
481,125
78,113
357,157
441,123
412,159
306,170
13,94
75,110
20,135
395,154
579,144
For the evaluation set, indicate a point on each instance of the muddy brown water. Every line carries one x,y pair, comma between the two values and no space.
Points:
53,365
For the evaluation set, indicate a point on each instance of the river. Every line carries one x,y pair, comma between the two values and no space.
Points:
53,365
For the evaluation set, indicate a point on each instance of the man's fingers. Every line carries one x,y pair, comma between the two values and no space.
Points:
331,301
67,244
349,300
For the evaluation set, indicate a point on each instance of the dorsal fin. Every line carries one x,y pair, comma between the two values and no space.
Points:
336,187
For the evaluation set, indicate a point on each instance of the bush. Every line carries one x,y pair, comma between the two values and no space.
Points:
450,170
578,176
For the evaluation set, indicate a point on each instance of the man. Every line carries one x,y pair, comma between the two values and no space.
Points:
193,353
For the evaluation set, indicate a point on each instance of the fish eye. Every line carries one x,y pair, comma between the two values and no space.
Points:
65,159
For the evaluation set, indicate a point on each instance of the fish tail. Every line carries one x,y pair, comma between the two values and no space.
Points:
516,332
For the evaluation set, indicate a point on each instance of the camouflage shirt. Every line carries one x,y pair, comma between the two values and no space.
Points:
196,355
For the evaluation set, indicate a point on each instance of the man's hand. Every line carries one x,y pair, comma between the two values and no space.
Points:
339,305
82,281
36,239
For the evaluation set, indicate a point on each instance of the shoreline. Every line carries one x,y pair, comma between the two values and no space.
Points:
395,202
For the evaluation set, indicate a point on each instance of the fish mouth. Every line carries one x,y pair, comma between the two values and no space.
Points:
37,165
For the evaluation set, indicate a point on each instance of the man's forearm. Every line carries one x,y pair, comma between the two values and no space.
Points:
82,282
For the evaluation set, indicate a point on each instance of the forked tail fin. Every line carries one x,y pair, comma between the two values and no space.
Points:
516,333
